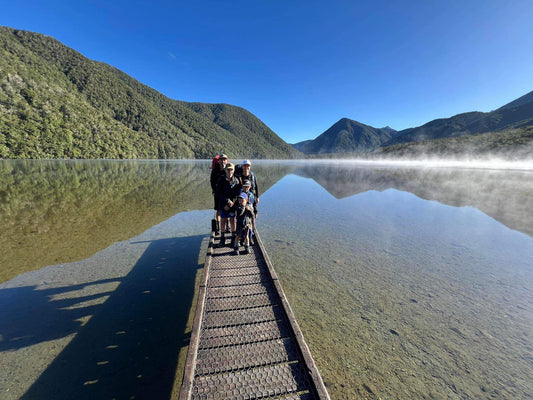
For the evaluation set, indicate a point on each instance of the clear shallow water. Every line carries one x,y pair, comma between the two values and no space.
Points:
407,282
111,326
401,297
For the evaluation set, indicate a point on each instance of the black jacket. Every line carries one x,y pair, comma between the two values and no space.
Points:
216,174
226,191
244,216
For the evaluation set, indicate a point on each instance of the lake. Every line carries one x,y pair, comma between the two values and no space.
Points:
407,281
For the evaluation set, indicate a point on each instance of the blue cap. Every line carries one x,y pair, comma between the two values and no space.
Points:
246,162
243,196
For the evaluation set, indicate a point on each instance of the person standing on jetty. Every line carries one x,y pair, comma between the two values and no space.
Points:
247,189
244,214
217,172
227,191
245,173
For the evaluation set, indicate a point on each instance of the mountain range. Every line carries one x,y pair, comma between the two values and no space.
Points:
56,103
518,113
511,121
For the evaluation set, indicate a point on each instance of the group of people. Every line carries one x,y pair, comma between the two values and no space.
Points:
236,198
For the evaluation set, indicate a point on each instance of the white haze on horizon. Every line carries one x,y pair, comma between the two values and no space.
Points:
493,163
485,163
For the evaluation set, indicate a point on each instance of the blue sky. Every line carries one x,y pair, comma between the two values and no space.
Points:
302,65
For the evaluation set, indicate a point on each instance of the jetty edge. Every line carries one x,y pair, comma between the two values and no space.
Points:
246,342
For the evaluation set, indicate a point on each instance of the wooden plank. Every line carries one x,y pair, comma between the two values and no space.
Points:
269,381
250,333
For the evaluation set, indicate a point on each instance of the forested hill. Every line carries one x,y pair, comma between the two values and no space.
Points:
517,114
346,136
56,103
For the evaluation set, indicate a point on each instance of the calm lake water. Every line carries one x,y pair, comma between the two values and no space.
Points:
407,282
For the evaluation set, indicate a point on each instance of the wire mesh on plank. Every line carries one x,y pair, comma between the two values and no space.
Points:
241,317
230,358
238,280
235,302
235,335
262,382
229,272
235,291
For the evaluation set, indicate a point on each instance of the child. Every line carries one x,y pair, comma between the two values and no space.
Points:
244,216
247,188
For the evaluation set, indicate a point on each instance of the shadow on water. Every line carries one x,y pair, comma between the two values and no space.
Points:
129,347
57,317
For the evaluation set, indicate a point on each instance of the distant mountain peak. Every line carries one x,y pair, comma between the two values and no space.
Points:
346,136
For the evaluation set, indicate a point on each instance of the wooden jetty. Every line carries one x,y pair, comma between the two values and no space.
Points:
246,343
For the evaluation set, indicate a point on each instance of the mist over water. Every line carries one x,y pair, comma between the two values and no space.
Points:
408,281
486,163
426,162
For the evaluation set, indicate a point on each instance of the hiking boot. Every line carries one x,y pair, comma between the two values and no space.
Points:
235,251
246,250
233,241
222,241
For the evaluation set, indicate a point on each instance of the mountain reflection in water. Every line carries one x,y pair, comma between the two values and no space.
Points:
403,298
506,196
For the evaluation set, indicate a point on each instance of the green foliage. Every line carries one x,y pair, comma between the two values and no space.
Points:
518,113
87,205
90,204
511,144
55,103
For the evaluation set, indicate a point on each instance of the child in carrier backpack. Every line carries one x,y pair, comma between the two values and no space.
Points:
244,215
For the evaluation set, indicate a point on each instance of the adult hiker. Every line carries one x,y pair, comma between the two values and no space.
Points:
217,172
245,173
227,191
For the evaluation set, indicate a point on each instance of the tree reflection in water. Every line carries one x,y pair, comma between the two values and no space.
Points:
61,211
